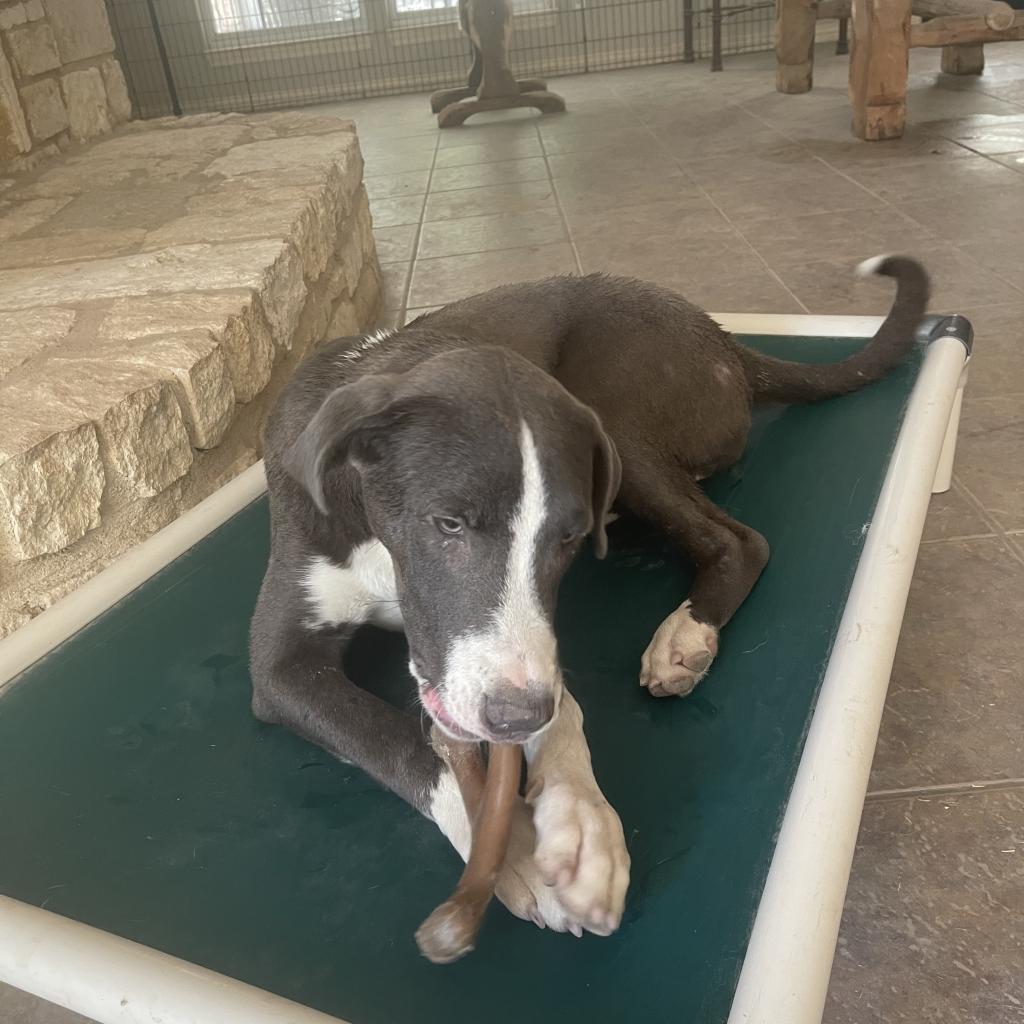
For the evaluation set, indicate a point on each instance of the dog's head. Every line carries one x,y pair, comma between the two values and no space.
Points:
482,476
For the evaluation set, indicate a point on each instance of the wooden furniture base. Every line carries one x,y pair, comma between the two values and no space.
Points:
882,39
446,97
455,113
491,84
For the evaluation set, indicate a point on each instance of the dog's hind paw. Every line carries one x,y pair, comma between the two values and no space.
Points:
679,655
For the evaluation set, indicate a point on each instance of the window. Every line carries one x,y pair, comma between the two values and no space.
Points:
230,17
416,6
231,26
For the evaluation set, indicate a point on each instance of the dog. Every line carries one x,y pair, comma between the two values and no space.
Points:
439,479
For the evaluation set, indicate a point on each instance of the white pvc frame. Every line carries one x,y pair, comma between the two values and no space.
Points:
788,961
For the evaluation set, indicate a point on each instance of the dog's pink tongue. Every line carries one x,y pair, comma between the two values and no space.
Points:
432,702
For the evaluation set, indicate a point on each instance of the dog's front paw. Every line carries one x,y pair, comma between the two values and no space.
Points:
679,655
567,867
581,854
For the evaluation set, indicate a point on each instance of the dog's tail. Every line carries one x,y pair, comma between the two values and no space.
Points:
773,380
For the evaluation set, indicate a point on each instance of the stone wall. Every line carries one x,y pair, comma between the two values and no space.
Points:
157,287
59,80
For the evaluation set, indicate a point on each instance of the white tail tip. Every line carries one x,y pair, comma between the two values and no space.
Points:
871,266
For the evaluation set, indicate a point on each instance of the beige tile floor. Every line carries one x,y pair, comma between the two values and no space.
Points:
747,200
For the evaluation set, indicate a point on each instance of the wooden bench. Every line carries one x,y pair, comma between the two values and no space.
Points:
882,35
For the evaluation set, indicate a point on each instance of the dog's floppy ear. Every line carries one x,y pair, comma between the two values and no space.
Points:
607,478
330,432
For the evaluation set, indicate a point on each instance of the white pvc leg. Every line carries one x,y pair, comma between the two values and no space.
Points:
114,981
944,470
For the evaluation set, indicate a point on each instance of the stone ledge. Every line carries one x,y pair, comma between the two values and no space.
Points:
156,289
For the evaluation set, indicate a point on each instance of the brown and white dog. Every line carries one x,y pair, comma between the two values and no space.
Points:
441,478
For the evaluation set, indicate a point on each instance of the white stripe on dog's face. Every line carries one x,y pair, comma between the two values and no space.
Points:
520,612
518,647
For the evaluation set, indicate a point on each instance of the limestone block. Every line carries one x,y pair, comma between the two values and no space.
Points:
316,231
30,161
159,156
34,10
287,123
33,49
315,322
354,247
234,210
283,294
17,218
44,109
177,269
366,299
305,160
206,391
344,323
57,246
86,100
118,100
145,437
140,425
11,16
235,318
27,333
49,491
189,122
80,27
250,352
14,136
195,364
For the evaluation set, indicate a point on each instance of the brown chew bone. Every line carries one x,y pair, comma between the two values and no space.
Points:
450,931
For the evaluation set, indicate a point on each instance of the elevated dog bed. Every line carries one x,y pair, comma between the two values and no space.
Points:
138,796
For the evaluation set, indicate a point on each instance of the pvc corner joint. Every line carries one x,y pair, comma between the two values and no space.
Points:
955,326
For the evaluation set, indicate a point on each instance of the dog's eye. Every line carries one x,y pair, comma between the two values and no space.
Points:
448,525
571,537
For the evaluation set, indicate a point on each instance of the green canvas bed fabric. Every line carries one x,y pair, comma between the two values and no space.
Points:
138,795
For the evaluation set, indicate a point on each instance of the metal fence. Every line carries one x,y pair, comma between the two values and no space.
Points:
192,56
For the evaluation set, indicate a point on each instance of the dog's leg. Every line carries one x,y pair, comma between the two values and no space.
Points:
580,849
728,558
577,879
567,868
298,683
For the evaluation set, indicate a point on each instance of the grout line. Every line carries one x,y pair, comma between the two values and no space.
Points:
946,243
500,247
700,188
960,536
983,513
419,232
462,188
1015,545
944,789
739,231
750,245
560,208
888,203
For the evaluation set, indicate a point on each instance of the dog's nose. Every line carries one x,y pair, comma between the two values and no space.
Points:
513,713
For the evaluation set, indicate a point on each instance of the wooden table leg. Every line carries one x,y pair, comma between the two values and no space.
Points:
968,59
843,38
878,67
795,21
